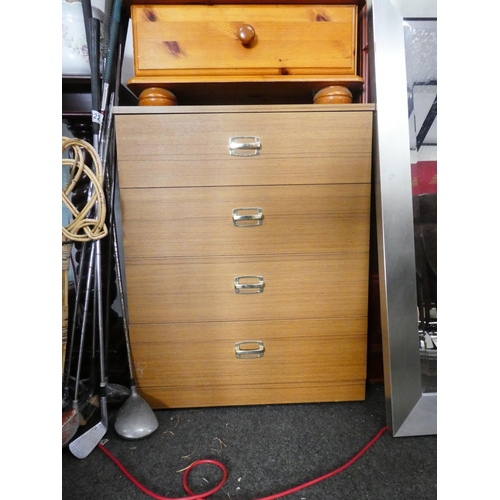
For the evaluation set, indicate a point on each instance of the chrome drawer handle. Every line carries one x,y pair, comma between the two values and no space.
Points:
245,219
247,353
244,146
247,287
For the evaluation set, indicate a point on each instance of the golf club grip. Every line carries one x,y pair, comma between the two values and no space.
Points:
87,15
108,9
113,40
95,85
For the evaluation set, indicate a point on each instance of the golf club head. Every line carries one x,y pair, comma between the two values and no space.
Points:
135,419
70,425
83,445
116,393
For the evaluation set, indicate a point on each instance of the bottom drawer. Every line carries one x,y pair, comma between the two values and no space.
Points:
277,393
195,364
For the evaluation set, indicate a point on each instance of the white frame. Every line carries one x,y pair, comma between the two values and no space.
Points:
410,412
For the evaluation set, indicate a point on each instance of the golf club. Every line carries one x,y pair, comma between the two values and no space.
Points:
83,445
135,419
115,392
71,418
91,401
65,394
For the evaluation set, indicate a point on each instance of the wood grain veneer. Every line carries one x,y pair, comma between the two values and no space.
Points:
178,187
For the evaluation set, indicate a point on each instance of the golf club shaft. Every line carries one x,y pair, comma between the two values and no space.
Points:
95,84
82,446
108,179
98,274
84,319
108,10
135,419
110,59
123,304
87,15
83,254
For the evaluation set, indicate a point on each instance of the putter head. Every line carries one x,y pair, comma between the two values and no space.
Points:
83,445
135,419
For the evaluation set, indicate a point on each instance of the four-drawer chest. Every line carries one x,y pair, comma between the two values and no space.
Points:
245,226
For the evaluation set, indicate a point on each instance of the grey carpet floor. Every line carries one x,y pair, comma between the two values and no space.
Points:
266,450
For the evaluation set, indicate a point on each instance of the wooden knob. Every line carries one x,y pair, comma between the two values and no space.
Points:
336,94
156,96
246,34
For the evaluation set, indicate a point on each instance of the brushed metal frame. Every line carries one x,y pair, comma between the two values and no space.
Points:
409,411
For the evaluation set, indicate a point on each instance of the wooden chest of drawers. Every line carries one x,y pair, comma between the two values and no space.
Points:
246,239
284,52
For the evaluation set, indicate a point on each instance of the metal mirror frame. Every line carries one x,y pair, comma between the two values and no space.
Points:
410,412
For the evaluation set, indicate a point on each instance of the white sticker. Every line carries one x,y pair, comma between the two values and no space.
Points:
96,117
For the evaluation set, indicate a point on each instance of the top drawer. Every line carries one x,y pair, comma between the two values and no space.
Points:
195,40
191,146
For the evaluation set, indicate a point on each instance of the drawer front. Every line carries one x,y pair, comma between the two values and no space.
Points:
189,149
203,40
325,351
286,220
253,394
297,287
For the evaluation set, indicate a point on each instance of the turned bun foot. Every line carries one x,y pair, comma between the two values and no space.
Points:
156,96
336,94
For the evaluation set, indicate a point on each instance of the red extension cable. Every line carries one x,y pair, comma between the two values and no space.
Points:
203,496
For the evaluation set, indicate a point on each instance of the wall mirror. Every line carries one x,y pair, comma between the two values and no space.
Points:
403,37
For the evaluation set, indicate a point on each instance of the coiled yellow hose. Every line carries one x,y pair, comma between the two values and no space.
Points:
84,227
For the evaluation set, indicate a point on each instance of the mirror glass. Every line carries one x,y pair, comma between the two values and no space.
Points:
421,75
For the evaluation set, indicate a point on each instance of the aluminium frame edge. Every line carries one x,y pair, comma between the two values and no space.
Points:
409,412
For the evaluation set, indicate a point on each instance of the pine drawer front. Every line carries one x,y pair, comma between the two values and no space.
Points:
201,41
303,360
297,219
331,144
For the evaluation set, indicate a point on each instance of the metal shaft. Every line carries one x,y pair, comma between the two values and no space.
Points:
84,319
75,313
85,444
